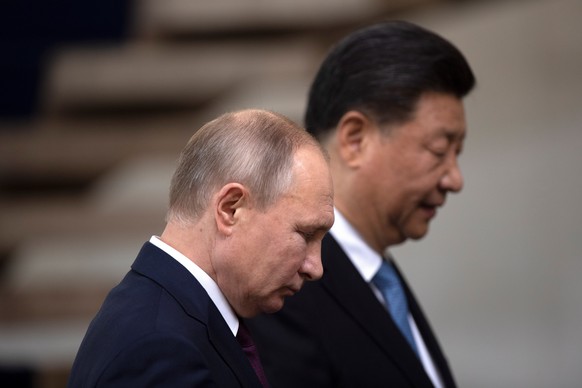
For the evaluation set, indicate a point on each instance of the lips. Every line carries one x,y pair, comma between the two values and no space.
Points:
293,289
432,204
430,209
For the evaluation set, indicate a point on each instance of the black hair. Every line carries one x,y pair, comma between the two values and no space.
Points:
382,71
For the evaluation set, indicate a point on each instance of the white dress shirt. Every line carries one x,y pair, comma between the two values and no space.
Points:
206,281
368,262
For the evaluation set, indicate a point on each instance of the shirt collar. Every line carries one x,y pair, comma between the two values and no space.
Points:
206,281
365,259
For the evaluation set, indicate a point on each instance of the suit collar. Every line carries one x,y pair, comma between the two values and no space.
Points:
161,268
205,281
366,260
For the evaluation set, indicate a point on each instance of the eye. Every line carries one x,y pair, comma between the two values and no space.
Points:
307,236
439,147
440,153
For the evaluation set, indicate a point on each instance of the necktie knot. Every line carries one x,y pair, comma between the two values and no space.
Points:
386,277
243,336
389,284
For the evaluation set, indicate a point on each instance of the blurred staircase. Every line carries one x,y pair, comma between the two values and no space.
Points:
84,180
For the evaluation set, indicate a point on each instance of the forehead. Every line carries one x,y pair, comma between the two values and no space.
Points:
311,192
311,174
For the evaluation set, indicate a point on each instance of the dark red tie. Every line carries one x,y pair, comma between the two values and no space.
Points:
248,346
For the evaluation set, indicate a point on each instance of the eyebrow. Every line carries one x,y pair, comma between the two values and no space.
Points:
318,226
452,134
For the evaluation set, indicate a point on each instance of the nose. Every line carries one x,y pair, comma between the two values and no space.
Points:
311,268
452,179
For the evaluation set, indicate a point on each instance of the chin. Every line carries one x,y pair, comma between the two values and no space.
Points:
273,307
270,307
418,233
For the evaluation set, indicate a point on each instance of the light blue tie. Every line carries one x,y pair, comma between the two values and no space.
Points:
389,284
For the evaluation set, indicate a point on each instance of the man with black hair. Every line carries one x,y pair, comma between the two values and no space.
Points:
387,105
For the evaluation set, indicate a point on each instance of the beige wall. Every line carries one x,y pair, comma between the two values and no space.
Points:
499,271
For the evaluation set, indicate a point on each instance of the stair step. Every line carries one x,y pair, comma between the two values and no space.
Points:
150,76
184,17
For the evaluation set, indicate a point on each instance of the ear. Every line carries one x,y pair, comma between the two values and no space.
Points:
229,201
353,132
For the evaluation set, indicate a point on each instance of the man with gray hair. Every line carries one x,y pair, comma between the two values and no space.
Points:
250,202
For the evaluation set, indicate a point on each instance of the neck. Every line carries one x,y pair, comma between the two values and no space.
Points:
195,246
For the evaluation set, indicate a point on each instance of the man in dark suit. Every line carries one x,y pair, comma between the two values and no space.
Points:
244,231
387,105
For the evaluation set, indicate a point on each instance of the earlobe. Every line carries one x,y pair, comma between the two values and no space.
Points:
352,130
229,200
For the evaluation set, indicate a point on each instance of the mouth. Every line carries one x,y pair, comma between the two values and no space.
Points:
429,210
292,290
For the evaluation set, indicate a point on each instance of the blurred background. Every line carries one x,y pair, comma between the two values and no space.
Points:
98,97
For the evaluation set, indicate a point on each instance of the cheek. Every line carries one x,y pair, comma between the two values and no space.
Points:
275,255
420,183
288,258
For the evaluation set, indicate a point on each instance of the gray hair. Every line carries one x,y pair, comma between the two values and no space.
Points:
252,147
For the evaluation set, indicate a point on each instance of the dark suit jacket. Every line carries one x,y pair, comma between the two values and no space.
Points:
159,328
335,333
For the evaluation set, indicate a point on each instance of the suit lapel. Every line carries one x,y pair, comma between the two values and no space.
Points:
225,343
183,286
428,336
346,286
